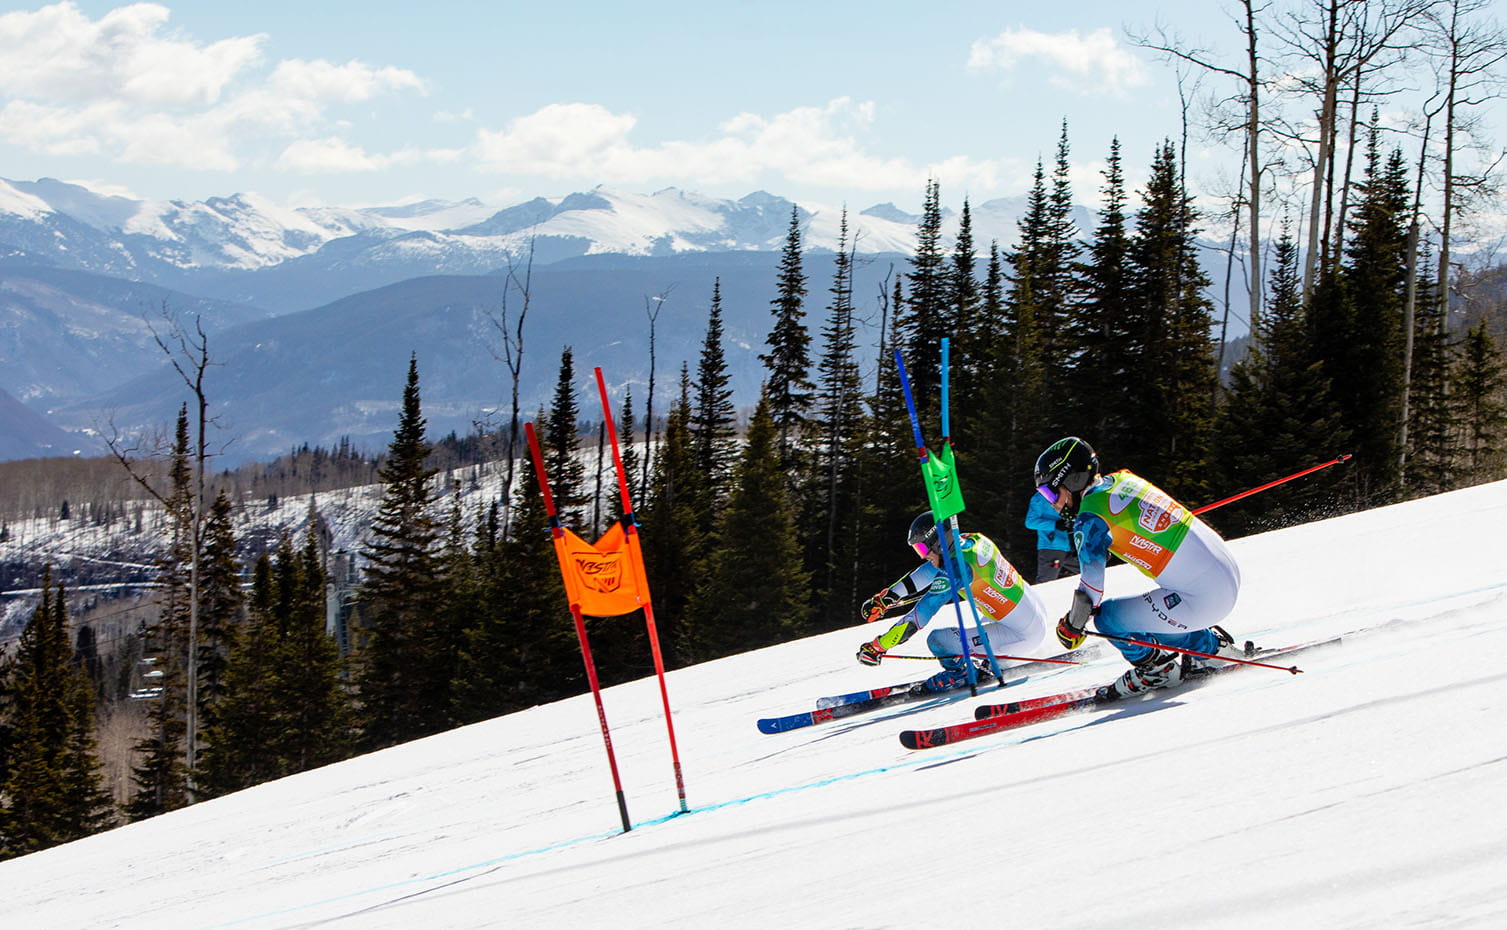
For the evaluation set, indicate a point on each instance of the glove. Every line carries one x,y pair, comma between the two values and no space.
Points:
871,653
876,606
1070,628
1065,524
1069,638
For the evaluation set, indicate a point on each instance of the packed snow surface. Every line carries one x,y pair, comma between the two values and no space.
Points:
1365,792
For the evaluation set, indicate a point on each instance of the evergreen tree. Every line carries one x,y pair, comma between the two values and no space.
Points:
562,447
1357,321
789,358
1096,375
50,785
886,479
968,335
1171,378
160,775
672,518
927,314
401,692
237,738
1432,427
713,423
316,730
286,710
1016,406
627,426
832,499
1279,415
220,602
1481,394
1057,288
520,649
754,591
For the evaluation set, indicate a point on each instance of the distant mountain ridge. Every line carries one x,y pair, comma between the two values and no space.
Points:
25,434
245,248
337,371
313,311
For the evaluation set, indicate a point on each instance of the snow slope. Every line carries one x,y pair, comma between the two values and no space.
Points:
1365,792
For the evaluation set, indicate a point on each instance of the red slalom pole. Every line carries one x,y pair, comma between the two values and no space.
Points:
1272,484
1193,652
630,532
558,534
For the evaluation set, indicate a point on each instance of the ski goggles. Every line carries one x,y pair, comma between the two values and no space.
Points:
1074,484
922,549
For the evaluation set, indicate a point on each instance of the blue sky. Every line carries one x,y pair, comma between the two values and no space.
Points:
378,102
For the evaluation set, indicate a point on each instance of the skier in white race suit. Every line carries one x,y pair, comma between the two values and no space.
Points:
1123,514
1013,616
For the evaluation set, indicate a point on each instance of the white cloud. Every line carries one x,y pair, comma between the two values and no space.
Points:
1091,64
325,156
816,145
333,155
560,140
126,87
58,55
351,82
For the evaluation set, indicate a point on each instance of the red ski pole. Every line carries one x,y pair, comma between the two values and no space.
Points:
1272,484
1193,652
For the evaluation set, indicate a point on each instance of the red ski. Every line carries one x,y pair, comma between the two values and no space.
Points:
995,718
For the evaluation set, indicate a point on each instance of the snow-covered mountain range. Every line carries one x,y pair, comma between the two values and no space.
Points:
313,311
71,226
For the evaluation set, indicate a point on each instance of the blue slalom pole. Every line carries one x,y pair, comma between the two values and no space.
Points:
950,565
957,535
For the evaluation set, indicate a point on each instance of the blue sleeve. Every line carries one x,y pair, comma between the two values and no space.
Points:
1092,539
937,596
1043,519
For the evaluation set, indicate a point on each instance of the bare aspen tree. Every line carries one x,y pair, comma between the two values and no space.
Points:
188,353
1470,53
1248,78
512,359
652,307
1410,300
1343,39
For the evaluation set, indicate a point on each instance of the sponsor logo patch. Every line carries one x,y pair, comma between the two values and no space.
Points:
1004,576
1158,512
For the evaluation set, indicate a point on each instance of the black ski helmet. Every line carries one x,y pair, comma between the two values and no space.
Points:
1069,464
923,532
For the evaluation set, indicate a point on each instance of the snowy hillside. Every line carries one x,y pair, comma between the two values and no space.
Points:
1365,792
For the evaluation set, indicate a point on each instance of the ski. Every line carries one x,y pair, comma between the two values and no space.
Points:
1012,673
995,718
838,706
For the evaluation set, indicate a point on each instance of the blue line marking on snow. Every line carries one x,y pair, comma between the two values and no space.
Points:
930,759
